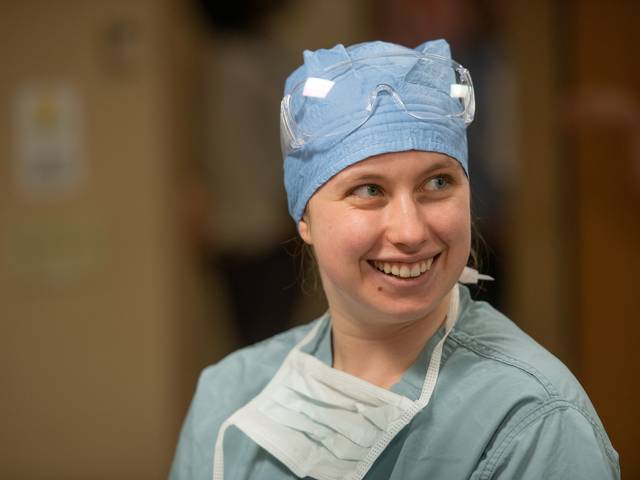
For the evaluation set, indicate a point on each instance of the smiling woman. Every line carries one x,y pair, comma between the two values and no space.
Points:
405,376
413,222
401,221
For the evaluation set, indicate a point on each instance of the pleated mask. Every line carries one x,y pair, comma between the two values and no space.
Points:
324,423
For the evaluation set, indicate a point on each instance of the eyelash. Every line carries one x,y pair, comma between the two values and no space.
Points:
367,186
446,178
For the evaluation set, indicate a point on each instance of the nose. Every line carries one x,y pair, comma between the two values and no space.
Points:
406,226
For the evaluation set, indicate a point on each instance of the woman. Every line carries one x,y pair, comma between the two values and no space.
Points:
405,376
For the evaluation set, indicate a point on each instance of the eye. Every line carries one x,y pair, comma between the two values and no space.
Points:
439,182
367,191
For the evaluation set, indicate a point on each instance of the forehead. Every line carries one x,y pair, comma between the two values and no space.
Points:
398,164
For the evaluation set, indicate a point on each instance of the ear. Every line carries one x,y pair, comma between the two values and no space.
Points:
304,229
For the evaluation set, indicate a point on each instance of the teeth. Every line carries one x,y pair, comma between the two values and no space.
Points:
404,270
415,270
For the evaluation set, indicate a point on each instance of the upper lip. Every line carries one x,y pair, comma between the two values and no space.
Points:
412,259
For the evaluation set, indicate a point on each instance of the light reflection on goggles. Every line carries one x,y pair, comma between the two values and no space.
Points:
341,98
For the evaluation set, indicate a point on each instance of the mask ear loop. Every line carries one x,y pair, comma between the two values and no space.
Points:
468,275
434,366
218,453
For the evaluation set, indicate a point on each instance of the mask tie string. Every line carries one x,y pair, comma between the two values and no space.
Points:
472,276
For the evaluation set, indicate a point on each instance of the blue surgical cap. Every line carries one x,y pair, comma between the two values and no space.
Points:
389,129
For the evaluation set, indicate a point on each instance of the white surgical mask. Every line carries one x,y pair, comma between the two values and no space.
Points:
324,423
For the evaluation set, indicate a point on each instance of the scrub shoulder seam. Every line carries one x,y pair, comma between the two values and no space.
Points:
466,341
539,413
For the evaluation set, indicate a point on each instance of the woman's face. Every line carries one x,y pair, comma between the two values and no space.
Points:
391,235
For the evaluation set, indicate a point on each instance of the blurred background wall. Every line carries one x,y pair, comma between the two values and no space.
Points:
120,151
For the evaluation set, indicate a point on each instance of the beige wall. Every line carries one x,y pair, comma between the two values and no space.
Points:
90,300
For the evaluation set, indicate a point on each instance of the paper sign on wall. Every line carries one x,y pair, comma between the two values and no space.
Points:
48,161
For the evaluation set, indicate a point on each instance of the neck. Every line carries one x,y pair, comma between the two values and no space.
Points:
381,353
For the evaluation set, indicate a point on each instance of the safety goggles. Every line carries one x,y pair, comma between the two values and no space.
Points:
341,98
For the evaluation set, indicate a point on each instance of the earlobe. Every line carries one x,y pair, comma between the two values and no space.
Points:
304,230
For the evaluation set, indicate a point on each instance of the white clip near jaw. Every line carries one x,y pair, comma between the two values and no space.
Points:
471,275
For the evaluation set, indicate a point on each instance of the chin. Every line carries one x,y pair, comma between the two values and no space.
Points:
418,305
403,311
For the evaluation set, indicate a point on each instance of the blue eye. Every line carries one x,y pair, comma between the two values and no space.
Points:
438,183
366,191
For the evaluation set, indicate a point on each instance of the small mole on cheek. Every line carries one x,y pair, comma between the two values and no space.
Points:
379,289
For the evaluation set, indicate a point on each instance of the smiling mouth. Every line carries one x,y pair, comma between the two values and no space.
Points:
403,270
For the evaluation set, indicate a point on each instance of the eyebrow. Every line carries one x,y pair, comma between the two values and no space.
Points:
355,175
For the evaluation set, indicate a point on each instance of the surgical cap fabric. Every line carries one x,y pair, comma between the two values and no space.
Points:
389,129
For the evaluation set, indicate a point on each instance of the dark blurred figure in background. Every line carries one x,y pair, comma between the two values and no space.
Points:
247,225
472,26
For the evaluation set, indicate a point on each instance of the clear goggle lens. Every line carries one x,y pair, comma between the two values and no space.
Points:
340,99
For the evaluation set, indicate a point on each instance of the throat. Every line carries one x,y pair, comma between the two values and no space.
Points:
380,354
380,372
379,361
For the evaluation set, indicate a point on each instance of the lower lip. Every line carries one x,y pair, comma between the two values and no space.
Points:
409,281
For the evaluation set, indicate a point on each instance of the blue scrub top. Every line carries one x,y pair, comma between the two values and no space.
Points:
503,408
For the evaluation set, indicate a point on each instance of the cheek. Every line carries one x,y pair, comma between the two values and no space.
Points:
346,235
453,225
